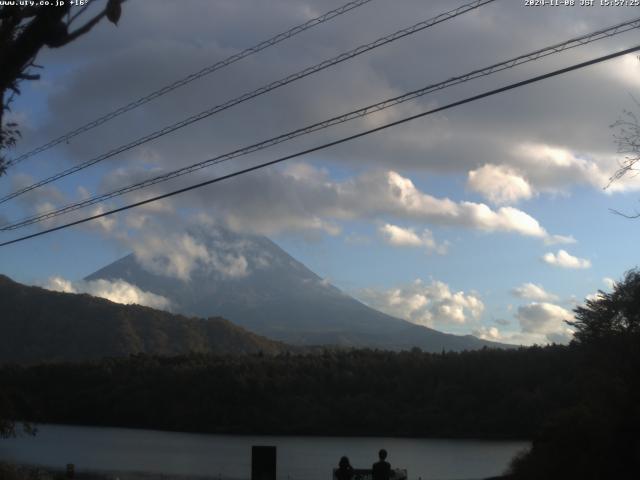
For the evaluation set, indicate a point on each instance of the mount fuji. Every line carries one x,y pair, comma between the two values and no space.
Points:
251,281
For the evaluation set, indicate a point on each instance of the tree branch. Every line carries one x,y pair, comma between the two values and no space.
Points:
631,217
84,29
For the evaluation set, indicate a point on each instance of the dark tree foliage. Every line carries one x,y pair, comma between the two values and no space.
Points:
24,30
615,313
598,436
489,393
7,427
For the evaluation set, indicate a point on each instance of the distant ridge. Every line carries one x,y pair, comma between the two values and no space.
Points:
39,325
281,298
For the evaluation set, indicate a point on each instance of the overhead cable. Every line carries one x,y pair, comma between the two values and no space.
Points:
191,77
329,144
513,62
255,93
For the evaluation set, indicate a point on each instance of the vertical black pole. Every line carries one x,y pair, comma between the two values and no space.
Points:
263,463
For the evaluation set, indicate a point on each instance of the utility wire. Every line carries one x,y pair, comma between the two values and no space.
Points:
331,144
190,78
513,62
255,93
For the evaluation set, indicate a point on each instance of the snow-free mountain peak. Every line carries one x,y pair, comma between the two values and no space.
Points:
254,283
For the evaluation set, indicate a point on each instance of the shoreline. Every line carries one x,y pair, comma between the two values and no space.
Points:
487,438
40,472
123,475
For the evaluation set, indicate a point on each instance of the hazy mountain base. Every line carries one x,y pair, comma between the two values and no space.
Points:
279,297
39,325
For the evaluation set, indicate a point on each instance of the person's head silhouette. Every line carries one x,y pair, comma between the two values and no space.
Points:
382,454
344,462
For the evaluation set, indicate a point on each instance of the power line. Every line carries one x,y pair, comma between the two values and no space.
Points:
194,76
535,55
255,93
331,144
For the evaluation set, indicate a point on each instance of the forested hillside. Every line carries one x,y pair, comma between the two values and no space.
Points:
363,392
38,325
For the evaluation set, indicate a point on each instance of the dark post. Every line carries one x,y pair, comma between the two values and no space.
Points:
71,470
263,463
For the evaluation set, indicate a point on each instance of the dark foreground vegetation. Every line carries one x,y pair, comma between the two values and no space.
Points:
598,435
486,393
580,403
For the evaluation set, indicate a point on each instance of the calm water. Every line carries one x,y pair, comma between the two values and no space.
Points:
228,456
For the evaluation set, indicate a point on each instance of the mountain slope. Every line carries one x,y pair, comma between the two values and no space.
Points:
40,325
276,296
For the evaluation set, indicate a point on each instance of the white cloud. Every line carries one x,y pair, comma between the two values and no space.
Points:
554,169
565,260
609,286
426,304
534,168
179,254
559,239
407,237
59,284
402,197
593,296
117,291
531,291
609,282
307,200
627,70
488,333
106,224
401,237
173,255
545,319
499,184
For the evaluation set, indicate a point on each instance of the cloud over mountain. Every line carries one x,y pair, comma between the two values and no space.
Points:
432,304
117,291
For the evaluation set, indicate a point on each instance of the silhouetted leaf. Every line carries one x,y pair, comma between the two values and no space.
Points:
114,10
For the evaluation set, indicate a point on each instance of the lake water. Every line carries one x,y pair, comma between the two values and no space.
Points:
229,456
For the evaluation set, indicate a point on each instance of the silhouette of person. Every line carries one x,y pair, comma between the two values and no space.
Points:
345,470
381,470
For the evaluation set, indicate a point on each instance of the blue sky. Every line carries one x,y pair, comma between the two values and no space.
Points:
446,221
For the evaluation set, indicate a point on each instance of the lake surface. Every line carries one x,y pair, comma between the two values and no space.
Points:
229,456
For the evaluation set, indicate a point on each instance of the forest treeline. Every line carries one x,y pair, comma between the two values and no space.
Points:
580,403
489,393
